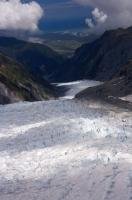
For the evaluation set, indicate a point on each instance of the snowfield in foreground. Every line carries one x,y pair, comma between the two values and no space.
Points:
65,150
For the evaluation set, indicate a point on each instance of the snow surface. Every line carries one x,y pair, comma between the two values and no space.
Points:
65,150
127,98
77,86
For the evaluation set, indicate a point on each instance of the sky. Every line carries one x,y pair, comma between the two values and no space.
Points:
60,15
65,15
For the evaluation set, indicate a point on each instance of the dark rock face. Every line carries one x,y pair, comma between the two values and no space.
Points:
40,60
17,84
102,59
119,86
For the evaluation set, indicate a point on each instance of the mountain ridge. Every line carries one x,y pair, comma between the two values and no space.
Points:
37,58
101,59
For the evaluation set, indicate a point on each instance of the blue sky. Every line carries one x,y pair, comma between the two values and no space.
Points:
63,15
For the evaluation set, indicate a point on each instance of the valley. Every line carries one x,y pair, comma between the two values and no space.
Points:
66,131
65,100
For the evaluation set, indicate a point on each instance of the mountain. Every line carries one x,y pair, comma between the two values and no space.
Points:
16,84
101,59
119,86
39,59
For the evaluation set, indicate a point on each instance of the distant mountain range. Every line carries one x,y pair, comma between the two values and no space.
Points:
64,43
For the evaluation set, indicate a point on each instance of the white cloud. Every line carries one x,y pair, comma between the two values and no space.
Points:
89,22
15,15
98,17
108,14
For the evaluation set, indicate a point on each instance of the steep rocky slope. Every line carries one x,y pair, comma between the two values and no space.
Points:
101,59
17,84
38,59
119,86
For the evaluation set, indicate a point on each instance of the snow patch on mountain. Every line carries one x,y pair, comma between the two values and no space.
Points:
127,98
76,86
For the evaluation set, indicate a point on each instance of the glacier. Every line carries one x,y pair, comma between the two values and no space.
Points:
65,149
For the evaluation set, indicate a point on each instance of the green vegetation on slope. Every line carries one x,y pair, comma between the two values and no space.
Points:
17,84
